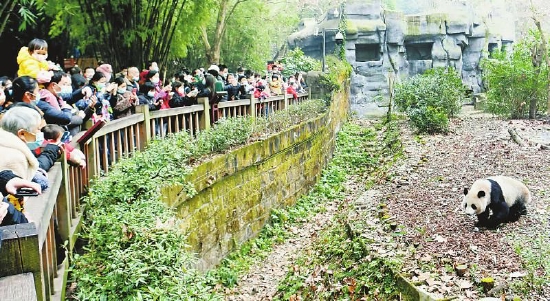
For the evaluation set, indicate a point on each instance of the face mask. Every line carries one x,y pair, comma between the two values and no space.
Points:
155,69
36,99
40,57
37,143
100,86
151,94
57,89
121,91
66,89
155,80
136,78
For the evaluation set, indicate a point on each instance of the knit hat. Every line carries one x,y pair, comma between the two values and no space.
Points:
105,69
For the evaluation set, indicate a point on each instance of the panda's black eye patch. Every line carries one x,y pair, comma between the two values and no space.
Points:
474,207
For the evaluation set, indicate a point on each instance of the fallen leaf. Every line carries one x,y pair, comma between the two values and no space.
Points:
465,284
517,275
424,276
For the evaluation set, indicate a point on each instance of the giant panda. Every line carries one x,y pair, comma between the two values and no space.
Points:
504,196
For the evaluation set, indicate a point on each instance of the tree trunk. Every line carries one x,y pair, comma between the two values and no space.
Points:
545,52
213,50
536,59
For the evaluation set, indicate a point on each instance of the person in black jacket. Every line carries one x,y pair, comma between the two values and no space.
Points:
148,96
9,183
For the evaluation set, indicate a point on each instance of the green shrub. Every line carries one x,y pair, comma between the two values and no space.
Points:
338,73
430,99
429,120
134,247
297,61
513,82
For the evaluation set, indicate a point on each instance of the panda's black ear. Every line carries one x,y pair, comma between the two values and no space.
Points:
465,191
481,194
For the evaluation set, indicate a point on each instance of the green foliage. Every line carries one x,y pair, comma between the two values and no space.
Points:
339,71
134,246
129,34
296,61
340,266
231,131
535,256
512,81
431,99
292,115
429,119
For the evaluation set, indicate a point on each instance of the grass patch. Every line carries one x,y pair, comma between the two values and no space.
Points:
534,249
340,265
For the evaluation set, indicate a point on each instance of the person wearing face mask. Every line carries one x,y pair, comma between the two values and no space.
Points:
132,79
20,137
125,100
147,96
161,92
33,62
56,111
97,95
107,70
179,99
25,90
88,73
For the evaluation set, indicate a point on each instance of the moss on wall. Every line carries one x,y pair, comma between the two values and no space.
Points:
364,26
237,191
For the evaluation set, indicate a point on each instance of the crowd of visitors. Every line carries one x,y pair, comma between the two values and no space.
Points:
44,106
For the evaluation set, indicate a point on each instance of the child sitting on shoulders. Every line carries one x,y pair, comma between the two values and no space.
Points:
33,62
53,133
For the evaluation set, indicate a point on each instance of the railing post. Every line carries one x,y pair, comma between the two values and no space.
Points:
252,106
144,131
63,203
286,100
93,162
204,122
20,254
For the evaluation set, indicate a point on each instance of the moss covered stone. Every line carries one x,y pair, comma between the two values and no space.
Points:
237,191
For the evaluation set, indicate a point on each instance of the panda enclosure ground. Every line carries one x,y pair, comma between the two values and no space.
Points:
423,197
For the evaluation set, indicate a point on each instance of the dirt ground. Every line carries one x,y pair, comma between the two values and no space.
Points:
423,196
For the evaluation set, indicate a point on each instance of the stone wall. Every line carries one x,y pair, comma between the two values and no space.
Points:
238,190
380,41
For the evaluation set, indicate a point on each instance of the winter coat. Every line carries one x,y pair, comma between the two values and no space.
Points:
54,101
30,66
123,106
16,156
53,115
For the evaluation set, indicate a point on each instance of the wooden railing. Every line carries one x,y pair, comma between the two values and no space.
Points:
28,253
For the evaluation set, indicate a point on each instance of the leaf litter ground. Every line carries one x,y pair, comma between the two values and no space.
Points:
423,196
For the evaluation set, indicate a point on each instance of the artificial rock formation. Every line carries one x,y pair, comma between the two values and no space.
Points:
393,43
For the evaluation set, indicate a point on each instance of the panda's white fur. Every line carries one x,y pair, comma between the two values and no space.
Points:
505,196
